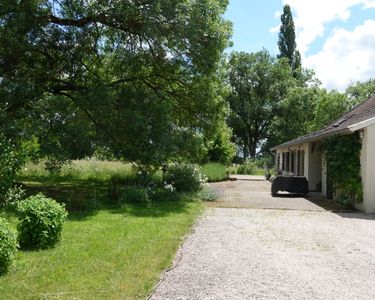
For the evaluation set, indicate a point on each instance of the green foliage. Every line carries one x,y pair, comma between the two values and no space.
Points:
140,79
207,194
319,107
13,155
247,168
220,148
87,169
138,195
342,155
361,91
41,222
8,246
185,177
329,106
287,39
258,82
215,172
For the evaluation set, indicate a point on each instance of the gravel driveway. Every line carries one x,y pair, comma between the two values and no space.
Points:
275,254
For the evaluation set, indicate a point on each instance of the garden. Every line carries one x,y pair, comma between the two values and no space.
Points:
95,229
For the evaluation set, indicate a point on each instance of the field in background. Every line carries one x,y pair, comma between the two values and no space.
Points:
90,169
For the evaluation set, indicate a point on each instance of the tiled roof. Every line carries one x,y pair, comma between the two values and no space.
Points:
360,113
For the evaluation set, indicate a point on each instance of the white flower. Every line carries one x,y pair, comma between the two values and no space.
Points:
169,187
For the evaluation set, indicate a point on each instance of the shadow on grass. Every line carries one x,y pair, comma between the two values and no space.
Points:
156,210
84,199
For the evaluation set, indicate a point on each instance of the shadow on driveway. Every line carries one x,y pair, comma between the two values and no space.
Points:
257,195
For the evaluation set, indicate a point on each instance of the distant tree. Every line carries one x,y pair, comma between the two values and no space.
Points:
287,40
258,82
361,91
304,110
329,106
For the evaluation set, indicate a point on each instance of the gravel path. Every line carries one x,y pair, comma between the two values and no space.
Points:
275,254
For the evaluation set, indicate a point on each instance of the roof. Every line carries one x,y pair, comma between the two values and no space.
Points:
353,120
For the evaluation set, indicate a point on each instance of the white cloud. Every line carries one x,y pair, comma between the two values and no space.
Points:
275,29
347,56
311,16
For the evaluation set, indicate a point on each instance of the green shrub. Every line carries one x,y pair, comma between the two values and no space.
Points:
13,155
41,222
207,194
185,177
8,246
166,193
247,168
215,172
137,195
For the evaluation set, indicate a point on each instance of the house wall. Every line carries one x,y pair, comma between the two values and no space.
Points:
368,170
315,167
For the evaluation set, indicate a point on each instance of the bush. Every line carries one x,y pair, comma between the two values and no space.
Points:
247,168
185,177
8,246
215,172
207,194
13,155
166,193
41,222
137,195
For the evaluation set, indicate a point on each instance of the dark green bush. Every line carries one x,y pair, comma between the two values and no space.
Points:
138,195
41,222
164,194
8,246
185,177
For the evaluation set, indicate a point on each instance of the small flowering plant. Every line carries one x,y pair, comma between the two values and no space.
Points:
169,187
184,177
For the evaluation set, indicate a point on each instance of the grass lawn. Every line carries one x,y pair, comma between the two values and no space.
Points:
111,252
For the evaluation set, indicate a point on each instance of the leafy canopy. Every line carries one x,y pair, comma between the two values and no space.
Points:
139,77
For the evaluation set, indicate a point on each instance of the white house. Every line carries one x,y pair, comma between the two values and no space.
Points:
302,157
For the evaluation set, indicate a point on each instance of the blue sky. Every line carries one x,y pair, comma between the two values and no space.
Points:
336,37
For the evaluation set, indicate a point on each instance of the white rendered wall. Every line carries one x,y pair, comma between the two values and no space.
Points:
368,170
315,167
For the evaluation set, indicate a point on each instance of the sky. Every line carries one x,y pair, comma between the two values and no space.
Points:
336,38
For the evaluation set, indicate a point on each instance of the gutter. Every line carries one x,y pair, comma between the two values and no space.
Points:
362,125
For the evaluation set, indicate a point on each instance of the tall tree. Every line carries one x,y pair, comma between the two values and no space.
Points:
287,39
139,76
361,91
258,81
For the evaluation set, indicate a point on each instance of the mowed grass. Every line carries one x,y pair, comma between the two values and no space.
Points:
116,254
215,172
111,252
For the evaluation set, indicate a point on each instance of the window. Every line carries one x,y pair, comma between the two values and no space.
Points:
287,160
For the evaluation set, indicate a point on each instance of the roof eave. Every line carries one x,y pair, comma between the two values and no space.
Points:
312,139
361,125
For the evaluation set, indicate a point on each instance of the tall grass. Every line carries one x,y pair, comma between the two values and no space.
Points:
81,170
215,172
